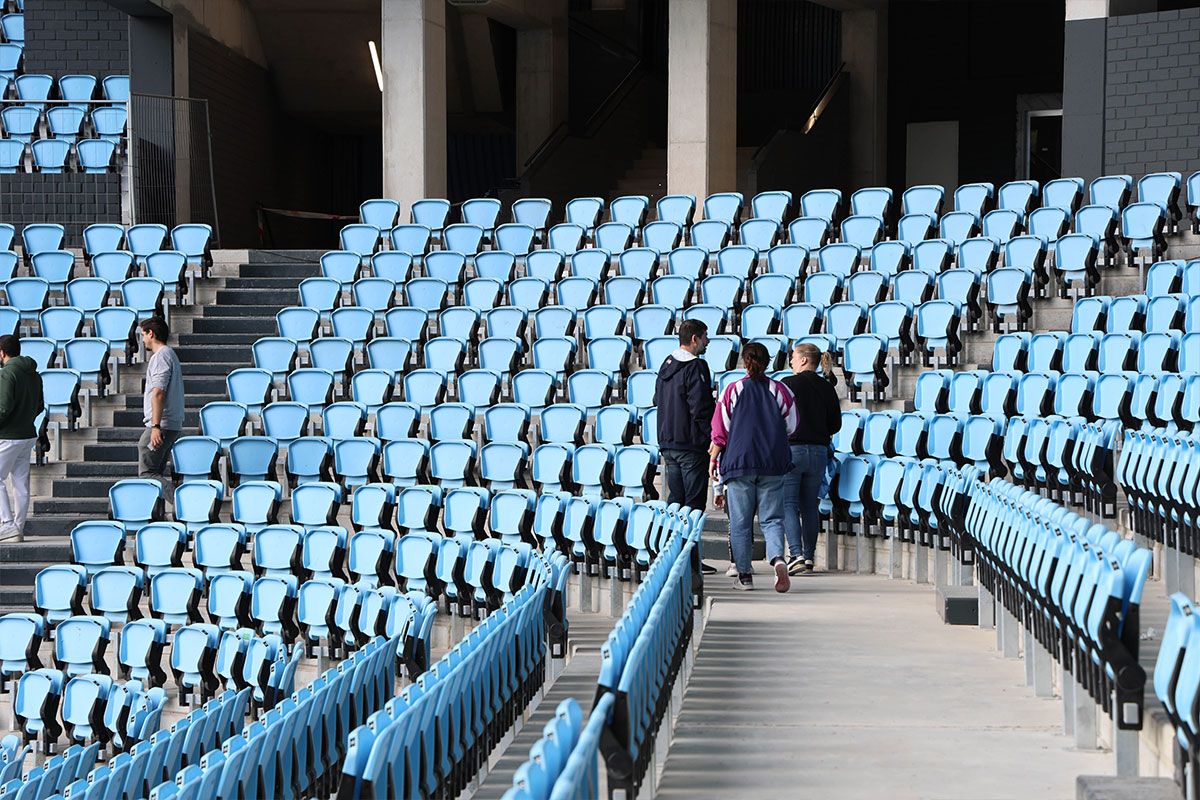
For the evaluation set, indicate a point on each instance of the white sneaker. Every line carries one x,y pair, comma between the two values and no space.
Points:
9,530
732,571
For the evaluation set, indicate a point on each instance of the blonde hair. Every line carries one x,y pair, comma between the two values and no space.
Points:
816,356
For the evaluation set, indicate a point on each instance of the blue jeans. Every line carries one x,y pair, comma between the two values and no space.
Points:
744,497
801,488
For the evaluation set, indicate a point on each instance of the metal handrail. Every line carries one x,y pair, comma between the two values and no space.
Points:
823,100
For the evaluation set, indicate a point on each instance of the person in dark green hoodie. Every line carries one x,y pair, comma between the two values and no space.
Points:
20,404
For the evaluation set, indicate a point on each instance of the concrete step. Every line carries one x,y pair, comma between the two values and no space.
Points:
256,297
25,573
16,598
133,419
111,452
204,384
130,429
264,311
83,487
297,270
216,340
89,469
74,507
282,282
221,368
192,355
258,325
47,549
48,526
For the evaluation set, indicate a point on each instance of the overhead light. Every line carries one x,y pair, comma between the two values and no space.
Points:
377,65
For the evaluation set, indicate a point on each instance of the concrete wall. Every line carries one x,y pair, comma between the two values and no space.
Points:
1152,93
245,134
87,37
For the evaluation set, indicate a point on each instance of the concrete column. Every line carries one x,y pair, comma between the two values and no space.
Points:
413,55
865,51
542,88
1084,49
702,97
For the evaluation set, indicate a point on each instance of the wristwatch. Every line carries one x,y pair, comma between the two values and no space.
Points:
156,425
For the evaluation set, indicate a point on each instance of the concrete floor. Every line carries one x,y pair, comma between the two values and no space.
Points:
851,687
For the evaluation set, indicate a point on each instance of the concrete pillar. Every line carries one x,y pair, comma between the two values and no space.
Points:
542,88
702,97
413,55
865,51
1084,49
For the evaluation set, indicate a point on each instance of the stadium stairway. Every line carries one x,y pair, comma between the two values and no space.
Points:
212,337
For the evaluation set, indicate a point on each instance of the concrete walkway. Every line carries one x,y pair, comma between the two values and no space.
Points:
851,687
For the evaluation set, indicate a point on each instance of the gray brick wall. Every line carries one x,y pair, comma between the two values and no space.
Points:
85,37
72,200
1152,93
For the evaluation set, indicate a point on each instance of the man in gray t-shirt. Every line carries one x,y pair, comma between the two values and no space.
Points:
162,405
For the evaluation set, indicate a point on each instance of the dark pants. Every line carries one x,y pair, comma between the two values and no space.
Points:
687,477
153,463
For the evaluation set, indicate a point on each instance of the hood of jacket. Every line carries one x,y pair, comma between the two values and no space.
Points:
678,360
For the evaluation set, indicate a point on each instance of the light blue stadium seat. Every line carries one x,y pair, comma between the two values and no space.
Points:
911,229
724,207
175,595
159,546
1143,229
974,197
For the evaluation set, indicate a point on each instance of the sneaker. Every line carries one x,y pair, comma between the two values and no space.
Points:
707,569
795,565
9,530
782,581
732,571
744,582
809,567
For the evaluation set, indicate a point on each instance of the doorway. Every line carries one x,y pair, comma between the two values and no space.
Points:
1043,145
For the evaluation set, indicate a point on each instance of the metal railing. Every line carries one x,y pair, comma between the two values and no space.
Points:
170,162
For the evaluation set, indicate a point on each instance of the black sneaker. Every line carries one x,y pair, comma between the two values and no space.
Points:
744,582
795,565
707,569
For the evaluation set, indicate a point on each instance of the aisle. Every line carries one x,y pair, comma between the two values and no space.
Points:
851,687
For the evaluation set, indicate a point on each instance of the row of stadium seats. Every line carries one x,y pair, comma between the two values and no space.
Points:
1074,260
566,753
617,534
295,748
1099,233
1138,400
56,156
437,734
111,244
1159,475
57,773
1076,587
1023,197
1177,686
95,709
78,91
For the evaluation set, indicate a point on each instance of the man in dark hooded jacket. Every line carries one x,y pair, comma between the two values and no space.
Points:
684,398
20,404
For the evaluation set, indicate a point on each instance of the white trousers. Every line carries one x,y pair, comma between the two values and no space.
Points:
14,469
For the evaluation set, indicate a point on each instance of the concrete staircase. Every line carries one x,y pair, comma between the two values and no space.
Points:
647,175
212,337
